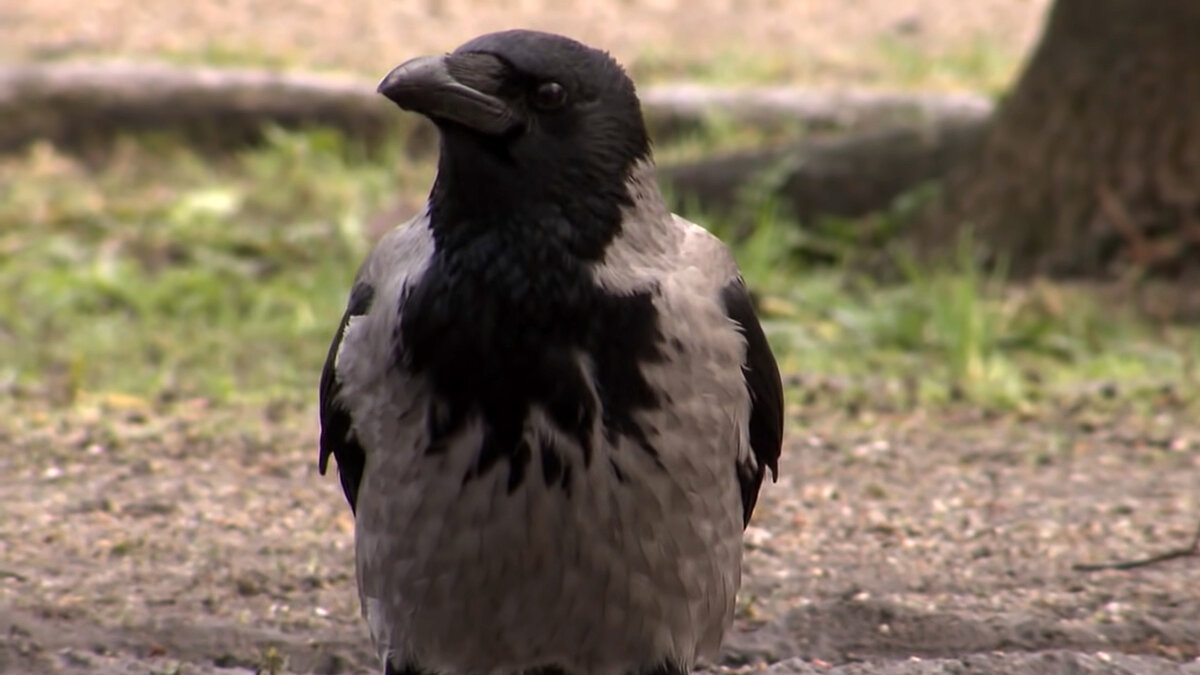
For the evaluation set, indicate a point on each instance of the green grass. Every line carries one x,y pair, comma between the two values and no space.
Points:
981,64
731,66
164,275
949,333
159,274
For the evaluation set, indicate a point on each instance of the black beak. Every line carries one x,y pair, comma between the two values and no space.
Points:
453,87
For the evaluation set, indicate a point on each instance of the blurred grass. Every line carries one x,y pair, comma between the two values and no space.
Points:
894,61
980,64
730,66
950,333
163,275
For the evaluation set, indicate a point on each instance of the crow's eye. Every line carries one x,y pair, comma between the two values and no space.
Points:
549,96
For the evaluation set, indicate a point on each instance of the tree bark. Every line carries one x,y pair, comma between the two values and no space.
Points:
673,109
1092,165
849,175
79,104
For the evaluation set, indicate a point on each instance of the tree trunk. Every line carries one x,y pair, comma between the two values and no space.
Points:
848,175
1092,165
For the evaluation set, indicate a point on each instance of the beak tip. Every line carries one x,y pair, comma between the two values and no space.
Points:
418,72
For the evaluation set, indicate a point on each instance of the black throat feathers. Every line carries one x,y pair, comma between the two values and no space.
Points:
505,318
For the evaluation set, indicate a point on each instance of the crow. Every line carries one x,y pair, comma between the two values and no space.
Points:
550,401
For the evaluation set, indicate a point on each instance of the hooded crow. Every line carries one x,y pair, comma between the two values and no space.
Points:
550,401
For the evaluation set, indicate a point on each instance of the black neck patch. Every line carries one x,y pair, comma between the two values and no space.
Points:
497,324
553,197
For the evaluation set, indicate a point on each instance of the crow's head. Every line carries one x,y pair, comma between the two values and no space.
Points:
526,119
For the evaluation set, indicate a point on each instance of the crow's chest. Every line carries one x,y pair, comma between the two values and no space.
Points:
498,332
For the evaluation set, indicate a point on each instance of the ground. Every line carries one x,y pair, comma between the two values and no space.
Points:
190,534
188,539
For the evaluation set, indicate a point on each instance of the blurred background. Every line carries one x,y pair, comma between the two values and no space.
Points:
972,229
916,42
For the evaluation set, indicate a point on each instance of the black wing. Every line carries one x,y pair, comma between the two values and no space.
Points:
766,396
337,437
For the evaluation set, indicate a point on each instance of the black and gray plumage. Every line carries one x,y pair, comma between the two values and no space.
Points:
550,401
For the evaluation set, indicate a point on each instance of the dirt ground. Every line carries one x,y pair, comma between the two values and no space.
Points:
184,538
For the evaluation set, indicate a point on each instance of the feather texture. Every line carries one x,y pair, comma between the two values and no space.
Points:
550,402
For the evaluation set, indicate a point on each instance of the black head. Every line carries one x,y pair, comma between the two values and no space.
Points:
528,120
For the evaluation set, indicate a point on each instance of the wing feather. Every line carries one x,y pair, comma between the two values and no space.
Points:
766,396
337,424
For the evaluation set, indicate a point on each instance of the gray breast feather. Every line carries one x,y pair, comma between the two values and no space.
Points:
374,299
651,537
704,303
721,281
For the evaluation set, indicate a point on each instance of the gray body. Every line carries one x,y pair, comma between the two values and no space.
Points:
470,578
550,401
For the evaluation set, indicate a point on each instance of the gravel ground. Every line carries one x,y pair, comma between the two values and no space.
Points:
183,538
